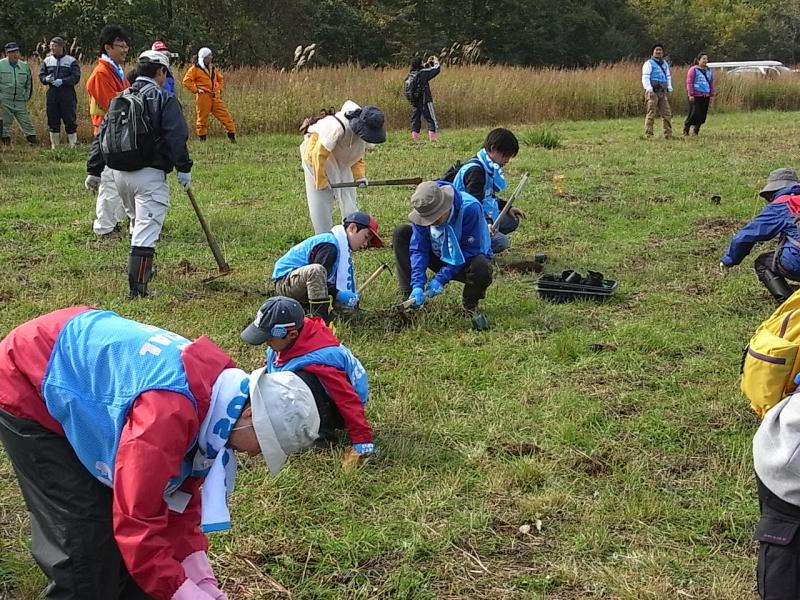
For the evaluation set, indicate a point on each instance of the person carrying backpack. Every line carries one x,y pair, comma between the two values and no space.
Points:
417,90
777,219
142,137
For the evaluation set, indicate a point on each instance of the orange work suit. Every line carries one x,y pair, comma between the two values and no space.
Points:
103,84
207,86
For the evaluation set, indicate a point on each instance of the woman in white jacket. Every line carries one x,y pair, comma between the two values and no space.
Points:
333,152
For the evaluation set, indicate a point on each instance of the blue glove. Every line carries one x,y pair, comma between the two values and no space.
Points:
185,179
434,288
57,83
365,449
418,296
347,298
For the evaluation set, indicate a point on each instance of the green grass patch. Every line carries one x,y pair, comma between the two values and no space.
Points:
573,451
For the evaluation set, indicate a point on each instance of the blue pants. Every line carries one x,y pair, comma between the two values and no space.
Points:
505,225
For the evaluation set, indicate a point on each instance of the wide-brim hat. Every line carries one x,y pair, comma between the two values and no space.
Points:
777,180
285,415
368,124
429,202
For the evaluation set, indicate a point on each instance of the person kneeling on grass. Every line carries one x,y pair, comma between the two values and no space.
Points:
306,346
322,266
112,427
777,219
448,234
482,177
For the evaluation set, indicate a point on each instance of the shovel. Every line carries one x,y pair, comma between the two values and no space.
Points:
376,182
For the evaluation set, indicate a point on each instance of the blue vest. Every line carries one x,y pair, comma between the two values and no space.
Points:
99,364
338,357
300,256
489,202
658,72
702,85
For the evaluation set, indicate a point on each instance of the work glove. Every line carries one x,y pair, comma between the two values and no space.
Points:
434,288
49,79
418,296
363,182
347,298
198,569
57,82
92,183
358,453
365,449
189,590
185,179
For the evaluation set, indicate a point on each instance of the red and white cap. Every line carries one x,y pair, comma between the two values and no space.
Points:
159,46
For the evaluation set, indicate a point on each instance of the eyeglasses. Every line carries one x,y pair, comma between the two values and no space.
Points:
121,45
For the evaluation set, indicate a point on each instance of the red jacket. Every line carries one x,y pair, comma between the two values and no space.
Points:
161,425
103,84
313,336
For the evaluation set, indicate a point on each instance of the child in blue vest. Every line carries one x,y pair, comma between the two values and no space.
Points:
307,346
322,266
482,177
448,235
777,219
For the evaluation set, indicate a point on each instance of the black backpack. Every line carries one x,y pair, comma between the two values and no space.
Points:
412,87
452,170
127,139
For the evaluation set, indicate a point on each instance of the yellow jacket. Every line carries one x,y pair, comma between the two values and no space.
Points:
332,135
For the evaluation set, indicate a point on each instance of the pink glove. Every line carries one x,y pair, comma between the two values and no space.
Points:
198,569
190,591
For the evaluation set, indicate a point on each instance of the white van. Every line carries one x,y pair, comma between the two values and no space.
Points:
764,68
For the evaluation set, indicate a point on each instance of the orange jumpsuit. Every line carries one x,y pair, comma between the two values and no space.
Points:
103,84
207,85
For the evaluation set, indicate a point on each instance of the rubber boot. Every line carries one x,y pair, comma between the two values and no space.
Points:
202,137
433,136
320,308
776,285
232,137
6,141
140,271
696,130
72,138
415,135
54,139
32,140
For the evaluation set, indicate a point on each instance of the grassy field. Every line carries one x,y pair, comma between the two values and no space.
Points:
267,100
573,451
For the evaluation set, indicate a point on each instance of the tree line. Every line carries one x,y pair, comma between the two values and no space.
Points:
565,33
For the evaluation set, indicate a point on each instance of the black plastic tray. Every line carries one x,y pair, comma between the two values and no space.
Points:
551,287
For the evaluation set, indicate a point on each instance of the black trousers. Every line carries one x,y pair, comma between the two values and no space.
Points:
698,111
330,419
476,275
62,105
423,109
778,547
72,538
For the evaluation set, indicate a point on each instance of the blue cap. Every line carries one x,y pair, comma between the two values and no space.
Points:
11,47
276,318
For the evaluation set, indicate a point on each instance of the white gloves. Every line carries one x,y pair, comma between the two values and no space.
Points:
92,183
185,179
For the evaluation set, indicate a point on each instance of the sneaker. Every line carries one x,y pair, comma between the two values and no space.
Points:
114,234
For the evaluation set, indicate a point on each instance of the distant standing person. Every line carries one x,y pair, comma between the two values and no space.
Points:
417,89
700,87
169,84
16,88
61,73
333,152
657,83
207,83
106,81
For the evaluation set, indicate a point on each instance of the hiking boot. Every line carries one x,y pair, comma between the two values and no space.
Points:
685,130
32,140
114,234
696,130
202,138
320,308
232,137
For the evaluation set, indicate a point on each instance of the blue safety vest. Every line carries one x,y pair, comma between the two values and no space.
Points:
702,81
300,256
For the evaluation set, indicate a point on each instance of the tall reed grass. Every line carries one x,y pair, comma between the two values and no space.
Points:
267,100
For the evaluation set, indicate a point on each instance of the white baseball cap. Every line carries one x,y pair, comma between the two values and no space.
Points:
285,415
154,56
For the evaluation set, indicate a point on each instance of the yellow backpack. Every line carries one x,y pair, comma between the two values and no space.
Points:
772,358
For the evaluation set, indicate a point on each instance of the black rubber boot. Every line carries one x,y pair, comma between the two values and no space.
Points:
696,130
320,308
32,140
232,137
776,285
140,271
6,141
202,137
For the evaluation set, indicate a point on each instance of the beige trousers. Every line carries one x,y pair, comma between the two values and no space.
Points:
658,105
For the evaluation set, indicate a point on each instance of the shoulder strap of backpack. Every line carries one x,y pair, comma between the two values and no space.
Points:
344,129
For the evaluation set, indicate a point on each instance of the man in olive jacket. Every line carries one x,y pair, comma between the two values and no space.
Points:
16,87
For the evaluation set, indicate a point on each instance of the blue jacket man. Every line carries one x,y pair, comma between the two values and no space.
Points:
448,235
61,73
777,219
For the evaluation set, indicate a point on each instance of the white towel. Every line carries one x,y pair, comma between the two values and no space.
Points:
345,275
